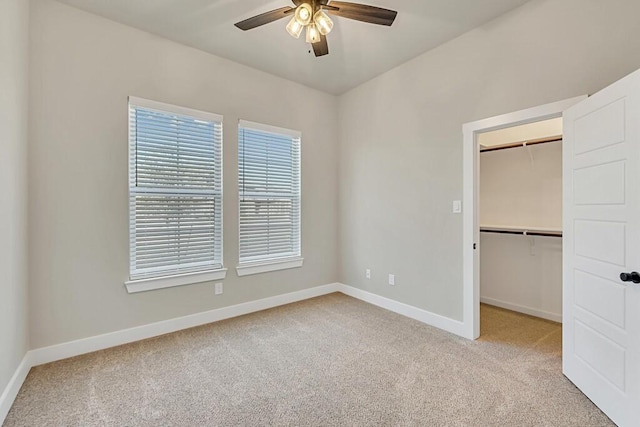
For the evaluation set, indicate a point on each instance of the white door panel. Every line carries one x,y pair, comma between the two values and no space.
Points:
602,241
608,360
602,297
591,184
592,320
600,128
601,320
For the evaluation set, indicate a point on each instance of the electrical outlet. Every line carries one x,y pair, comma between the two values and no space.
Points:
367,274
218,289
392,279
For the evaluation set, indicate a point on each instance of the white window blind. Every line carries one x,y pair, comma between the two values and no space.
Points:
175,190
269,185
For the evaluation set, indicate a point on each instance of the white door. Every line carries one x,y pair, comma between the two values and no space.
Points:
601,317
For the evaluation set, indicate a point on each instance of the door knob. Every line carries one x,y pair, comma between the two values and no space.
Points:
630,277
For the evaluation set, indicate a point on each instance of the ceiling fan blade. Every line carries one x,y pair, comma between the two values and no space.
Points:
264,18
362,12
321,48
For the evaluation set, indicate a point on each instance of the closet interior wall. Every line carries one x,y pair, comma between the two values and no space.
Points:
521,190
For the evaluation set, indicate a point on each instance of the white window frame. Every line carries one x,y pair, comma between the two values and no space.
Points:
170,280
275,264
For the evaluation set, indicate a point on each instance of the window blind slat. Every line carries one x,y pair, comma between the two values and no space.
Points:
269,182
175,186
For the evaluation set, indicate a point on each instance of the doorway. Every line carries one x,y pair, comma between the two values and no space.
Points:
520,214
471,197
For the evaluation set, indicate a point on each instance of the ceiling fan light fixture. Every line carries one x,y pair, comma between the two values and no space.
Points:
313,35
310,14
323,22
294,28
304,14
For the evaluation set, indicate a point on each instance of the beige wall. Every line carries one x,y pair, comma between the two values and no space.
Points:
83,69
399,155
14,46
401,135
518,192
522,274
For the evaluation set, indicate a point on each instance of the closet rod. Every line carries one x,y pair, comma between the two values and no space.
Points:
523,233
523,143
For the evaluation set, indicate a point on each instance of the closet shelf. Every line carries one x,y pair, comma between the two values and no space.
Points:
484,149
523,231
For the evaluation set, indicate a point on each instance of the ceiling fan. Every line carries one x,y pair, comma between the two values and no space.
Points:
312,15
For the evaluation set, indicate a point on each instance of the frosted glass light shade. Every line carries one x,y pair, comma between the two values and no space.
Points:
313,35
304,13
294,28
323,22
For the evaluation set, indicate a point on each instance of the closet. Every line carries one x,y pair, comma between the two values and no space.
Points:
520,210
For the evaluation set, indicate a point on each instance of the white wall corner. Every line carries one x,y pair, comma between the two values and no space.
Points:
10,392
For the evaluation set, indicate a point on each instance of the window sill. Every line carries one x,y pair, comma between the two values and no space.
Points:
266,266
143,285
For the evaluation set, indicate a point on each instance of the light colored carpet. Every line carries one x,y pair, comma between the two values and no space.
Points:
328,361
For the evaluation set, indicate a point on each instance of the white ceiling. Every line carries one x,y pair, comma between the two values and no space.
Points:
358,51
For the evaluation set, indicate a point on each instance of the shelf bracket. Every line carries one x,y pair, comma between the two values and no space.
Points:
532,244
528,148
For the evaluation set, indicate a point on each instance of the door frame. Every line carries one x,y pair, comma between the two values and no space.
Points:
470,199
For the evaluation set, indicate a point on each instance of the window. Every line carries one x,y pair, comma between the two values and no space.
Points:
175,195
269,187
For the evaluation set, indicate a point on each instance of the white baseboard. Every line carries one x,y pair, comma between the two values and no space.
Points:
424,316
11,390
100,342
53,353
522,309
